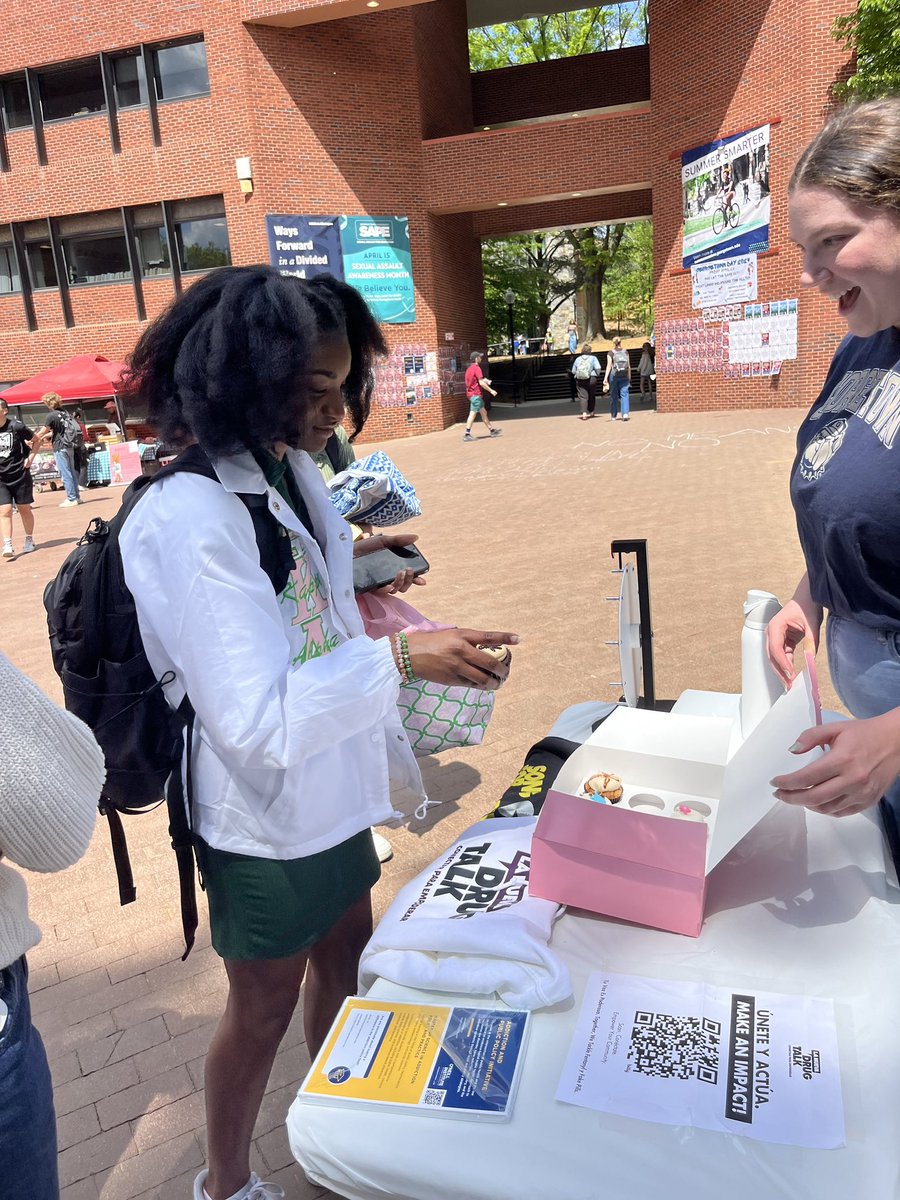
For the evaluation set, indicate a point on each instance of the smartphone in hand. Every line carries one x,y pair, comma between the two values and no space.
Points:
379,569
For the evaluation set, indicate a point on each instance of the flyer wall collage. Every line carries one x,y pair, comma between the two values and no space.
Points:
373,119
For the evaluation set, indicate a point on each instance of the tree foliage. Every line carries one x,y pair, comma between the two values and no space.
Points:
611,264
872,33
558,35
531,265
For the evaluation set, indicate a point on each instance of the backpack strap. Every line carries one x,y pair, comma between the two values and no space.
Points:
333,450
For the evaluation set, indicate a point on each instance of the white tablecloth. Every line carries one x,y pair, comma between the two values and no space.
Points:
800,906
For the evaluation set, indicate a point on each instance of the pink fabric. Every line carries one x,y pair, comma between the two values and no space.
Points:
384,615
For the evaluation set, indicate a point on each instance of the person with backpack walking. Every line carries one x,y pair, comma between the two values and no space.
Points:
586,371
67,443
16,484
618,374
646,369
296,731
47,818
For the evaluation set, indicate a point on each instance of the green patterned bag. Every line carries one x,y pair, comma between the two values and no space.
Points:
436,716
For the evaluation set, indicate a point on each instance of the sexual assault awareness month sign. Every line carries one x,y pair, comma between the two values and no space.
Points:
305,246
378,264
757,1064
370,253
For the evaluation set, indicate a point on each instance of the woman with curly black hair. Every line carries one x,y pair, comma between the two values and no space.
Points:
297,737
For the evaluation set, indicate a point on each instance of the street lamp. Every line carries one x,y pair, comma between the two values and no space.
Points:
510,299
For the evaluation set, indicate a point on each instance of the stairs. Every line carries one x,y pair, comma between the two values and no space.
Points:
552,381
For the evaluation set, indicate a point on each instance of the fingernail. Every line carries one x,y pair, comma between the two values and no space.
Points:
514,640
796,748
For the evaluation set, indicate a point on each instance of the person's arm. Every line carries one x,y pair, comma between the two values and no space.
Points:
862,762
52,776
485,385
800,618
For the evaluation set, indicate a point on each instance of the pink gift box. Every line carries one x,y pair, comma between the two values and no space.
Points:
652,867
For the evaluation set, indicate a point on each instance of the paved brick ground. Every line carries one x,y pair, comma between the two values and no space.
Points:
517,531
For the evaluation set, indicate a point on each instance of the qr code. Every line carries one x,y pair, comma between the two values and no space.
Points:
435,1097
669,1047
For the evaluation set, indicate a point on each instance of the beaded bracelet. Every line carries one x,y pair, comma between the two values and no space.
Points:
402,659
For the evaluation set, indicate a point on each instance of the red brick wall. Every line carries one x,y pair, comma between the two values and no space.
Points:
538,163
564,214
445,91
561,85
762,59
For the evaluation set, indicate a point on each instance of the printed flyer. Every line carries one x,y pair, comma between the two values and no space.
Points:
756,1064
433,1058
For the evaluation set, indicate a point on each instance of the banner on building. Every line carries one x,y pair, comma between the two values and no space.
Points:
305,246
378,264
725,198
723,282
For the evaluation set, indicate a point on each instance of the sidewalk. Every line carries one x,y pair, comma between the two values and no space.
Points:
517,530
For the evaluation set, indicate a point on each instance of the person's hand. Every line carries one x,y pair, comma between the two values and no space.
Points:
452,656
786,631
404,579
862,762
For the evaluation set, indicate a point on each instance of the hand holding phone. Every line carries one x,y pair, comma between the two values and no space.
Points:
377,565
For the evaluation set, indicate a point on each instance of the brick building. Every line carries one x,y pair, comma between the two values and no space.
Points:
122,127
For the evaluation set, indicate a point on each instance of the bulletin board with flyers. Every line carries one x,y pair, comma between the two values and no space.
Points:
751,346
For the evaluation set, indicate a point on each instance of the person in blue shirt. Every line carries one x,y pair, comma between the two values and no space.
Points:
844,203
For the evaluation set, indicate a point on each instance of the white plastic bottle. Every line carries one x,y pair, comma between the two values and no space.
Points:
760,686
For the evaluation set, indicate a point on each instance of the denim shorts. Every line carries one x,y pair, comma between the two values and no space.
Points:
27,1119
865,669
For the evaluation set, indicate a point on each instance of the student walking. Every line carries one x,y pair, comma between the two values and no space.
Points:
476,387
66,437
16,484
618,372
586,371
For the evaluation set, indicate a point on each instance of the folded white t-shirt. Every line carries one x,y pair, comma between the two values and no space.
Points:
468,924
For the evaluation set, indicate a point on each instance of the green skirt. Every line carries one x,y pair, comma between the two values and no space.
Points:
272,908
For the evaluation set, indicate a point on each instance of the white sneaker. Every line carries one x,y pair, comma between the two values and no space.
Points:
70,503
8,551
29,546
254,1189
383,847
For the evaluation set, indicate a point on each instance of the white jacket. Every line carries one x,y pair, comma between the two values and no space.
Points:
297,733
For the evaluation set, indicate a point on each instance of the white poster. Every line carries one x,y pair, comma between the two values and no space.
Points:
768,333
725,281
757,1064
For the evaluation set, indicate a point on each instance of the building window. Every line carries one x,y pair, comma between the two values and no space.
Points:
14,98
180,70
72,91
97,258
41,266
9,276
153,251
131,86
203,244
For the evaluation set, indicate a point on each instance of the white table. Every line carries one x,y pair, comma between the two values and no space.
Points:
800,906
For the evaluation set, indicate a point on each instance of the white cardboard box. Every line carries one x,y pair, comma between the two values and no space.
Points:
652,867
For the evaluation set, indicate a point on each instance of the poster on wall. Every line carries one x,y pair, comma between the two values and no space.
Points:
305,246
725,198
726,281
378,264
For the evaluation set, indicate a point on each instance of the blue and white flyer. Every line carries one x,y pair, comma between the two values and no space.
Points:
756,1064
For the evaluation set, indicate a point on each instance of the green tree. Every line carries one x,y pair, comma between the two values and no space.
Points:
532,266
558,35
872,33
628,284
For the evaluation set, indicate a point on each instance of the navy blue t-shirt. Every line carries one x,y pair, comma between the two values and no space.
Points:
845,483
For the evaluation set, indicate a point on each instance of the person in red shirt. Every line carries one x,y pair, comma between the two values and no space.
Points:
476,386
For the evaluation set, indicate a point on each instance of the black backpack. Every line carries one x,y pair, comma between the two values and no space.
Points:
108,682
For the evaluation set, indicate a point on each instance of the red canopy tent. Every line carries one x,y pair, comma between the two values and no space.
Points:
84,377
